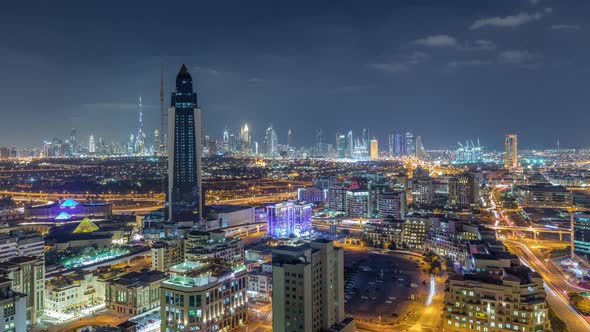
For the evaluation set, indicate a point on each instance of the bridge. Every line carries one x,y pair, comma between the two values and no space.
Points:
534,230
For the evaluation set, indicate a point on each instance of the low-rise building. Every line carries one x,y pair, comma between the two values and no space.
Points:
204,296
65,295
500,299
16,244
260,285
135,292
166,253
199,246
543,195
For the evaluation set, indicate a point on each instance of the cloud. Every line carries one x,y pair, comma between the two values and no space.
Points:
390,67
565,27
404,63
256,80
516,57
481,45
468,63
535,2
436,41
508,21
205,70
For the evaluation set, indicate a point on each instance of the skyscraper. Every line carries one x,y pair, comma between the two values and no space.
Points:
391,145
350,145
270,142
374,149
341,147
289,138
420,153
400,145
73,144
140,138
511,151
184,152
156,142
410,144
91,144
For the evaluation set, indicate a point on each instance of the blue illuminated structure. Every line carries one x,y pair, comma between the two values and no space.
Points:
63,216
68,203
289,218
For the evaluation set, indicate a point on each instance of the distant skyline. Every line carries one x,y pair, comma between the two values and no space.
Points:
447,71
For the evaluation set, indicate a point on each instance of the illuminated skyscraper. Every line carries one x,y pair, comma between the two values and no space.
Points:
91,144
73,143
420,152
374,149
341,147
289,138
156,142
511,160
400,147
410,144
140,138
391,145
270,142
184,152
350,144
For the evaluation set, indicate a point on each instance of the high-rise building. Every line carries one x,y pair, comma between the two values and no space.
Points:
28,277
289,138
350,144
184,152
321,145
400,145
13,307
337,198
135,292
156,142
463,191
511,159
392,204
199,246
204,296
410,144
308,288
391,144
270,142
91,144
422,187
374,149
365,137
341,147
420,152
289,218
73,143
140,138
358,203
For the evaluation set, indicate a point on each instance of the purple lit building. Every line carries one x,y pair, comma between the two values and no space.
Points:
289,217
68,209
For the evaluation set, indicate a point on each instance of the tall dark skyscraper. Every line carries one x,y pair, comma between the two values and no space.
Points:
184,152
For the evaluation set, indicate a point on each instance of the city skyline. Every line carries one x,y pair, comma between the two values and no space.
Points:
477,71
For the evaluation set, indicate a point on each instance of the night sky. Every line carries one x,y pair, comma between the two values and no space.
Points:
447,70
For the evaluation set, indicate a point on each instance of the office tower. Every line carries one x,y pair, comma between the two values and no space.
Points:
350,144
225,136
511,160
410,144
13,307
400,145
374,149
463,191
270,142
184,152
358,203
392,204
337,198
288,218
308,288
422,187
391,144
73,144
245,138
28,277
365,137
420,153
341,147
156,142
140,138
289,138
204,296
91,144
321,145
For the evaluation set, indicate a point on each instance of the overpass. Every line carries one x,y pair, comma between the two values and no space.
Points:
534,230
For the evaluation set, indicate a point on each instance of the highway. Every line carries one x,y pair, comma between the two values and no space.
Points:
557,288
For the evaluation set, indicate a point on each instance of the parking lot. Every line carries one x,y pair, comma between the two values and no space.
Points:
382,286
